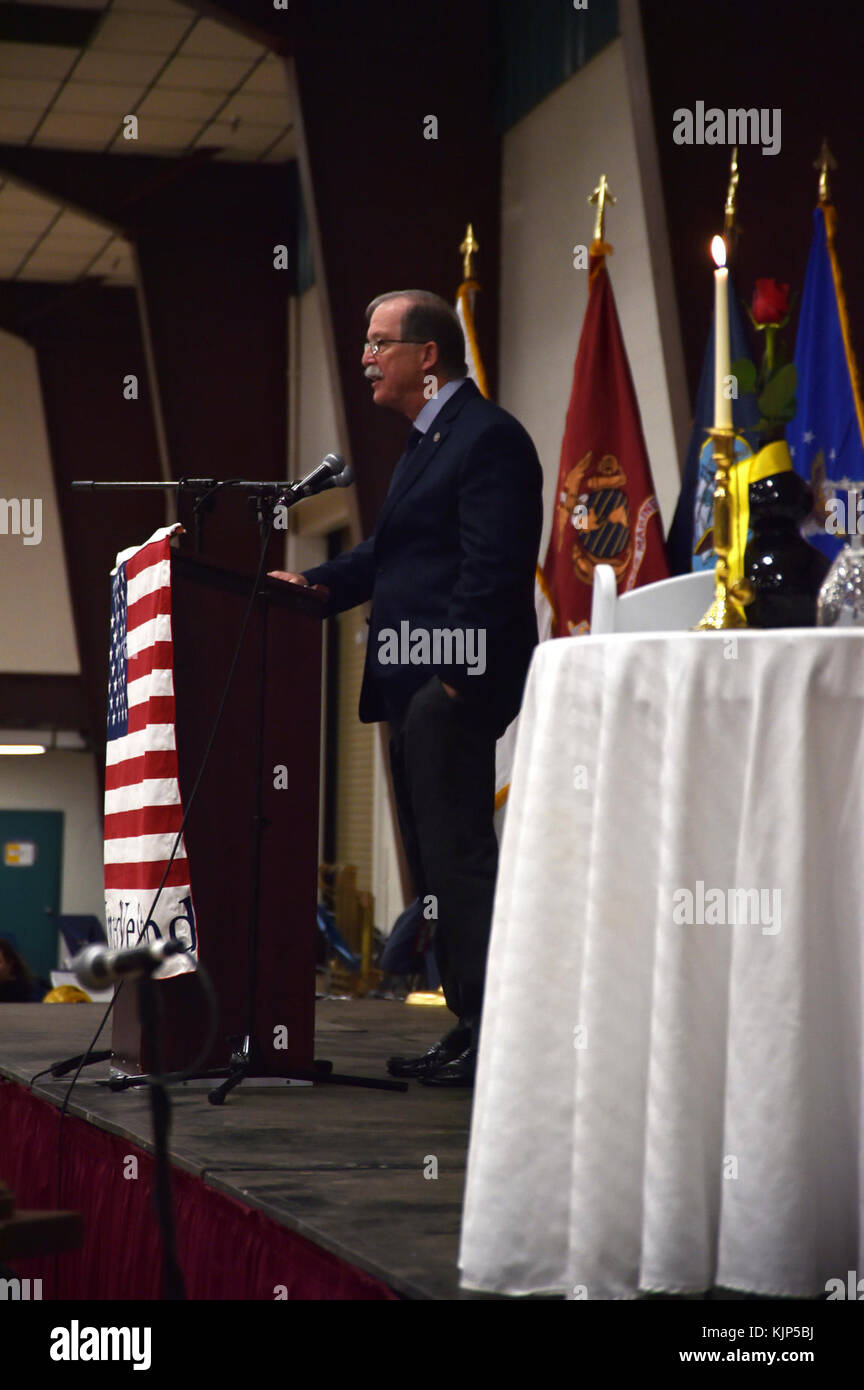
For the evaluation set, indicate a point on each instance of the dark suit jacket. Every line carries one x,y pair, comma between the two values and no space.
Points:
454,550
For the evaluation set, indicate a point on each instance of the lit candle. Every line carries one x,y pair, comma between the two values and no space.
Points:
722,402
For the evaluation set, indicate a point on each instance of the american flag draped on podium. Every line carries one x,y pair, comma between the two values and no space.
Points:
143,810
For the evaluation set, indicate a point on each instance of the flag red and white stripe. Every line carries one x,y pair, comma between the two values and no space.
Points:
143,808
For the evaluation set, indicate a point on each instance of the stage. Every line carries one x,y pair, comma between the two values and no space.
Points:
334,1176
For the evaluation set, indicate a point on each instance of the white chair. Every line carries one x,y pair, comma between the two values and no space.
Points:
671,605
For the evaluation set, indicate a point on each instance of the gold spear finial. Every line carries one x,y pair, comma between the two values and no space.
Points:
825,162
601,196
731,194
469,247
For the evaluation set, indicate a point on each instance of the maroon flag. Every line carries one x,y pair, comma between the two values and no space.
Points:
143,810
605,508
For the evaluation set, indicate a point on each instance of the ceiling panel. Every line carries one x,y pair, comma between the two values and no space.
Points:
101,65
205,74
34,60
97,98
161,134
211,40
115,262
12,241
27,93
258,109
141,33
54,268
251,139
18,200
73,228
176,101
9,262
269,76
77,131
16,127
285,148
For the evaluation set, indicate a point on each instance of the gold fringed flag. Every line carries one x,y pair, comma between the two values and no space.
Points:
605,508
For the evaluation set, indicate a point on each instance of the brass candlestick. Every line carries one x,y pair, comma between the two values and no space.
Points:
731,594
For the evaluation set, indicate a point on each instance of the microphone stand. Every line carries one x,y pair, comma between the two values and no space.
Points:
203,490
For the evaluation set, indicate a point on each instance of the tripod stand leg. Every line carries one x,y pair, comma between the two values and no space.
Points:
217,1096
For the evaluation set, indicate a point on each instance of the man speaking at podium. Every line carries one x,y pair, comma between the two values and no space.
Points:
450,572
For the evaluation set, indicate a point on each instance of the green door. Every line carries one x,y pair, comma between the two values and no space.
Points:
31,844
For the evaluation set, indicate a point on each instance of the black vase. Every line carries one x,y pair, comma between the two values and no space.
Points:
785,570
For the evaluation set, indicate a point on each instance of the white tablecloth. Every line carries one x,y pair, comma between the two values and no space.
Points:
666,1104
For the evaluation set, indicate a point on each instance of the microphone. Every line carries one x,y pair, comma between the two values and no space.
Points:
329,473
98,966
343,479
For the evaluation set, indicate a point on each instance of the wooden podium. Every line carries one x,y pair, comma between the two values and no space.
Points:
208,608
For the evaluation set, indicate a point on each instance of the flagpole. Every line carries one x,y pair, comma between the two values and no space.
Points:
825,162
465,298
730,230
599,197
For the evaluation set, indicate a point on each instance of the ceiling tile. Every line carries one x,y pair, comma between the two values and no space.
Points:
253,139
34,60
9,263
97,98
27,94
59,264
257,109
99,65
178,102
25,228
140,33
286,148
269,76
72,226
12,245
24,203
77,131
115,263
205,74
158,133
211,40
17,126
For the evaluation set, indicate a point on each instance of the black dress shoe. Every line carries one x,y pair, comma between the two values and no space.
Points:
438,1055
459,1072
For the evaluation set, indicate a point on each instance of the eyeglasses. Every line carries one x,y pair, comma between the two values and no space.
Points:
376,347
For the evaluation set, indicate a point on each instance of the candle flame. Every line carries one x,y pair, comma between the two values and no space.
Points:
718,251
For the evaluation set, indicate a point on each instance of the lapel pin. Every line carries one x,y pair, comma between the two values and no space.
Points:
436,436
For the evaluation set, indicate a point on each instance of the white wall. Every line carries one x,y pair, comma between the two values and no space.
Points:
64,782
552,159
37,635
315,431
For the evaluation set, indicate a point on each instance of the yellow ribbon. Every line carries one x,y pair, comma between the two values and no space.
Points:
773,458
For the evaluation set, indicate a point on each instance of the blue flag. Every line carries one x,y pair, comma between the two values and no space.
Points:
825,436
695,502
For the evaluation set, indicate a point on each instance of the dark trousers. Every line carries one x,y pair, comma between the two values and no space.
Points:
442,757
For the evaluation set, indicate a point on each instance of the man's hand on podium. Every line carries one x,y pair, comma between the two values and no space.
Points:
319,590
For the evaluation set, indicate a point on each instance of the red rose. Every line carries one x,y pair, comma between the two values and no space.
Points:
770,302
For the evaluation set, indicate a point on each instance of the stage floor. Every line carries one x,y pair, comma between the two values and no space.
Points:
344,1167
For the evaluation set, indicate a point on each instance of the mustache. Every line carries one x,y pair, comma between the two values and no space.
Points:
373,373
